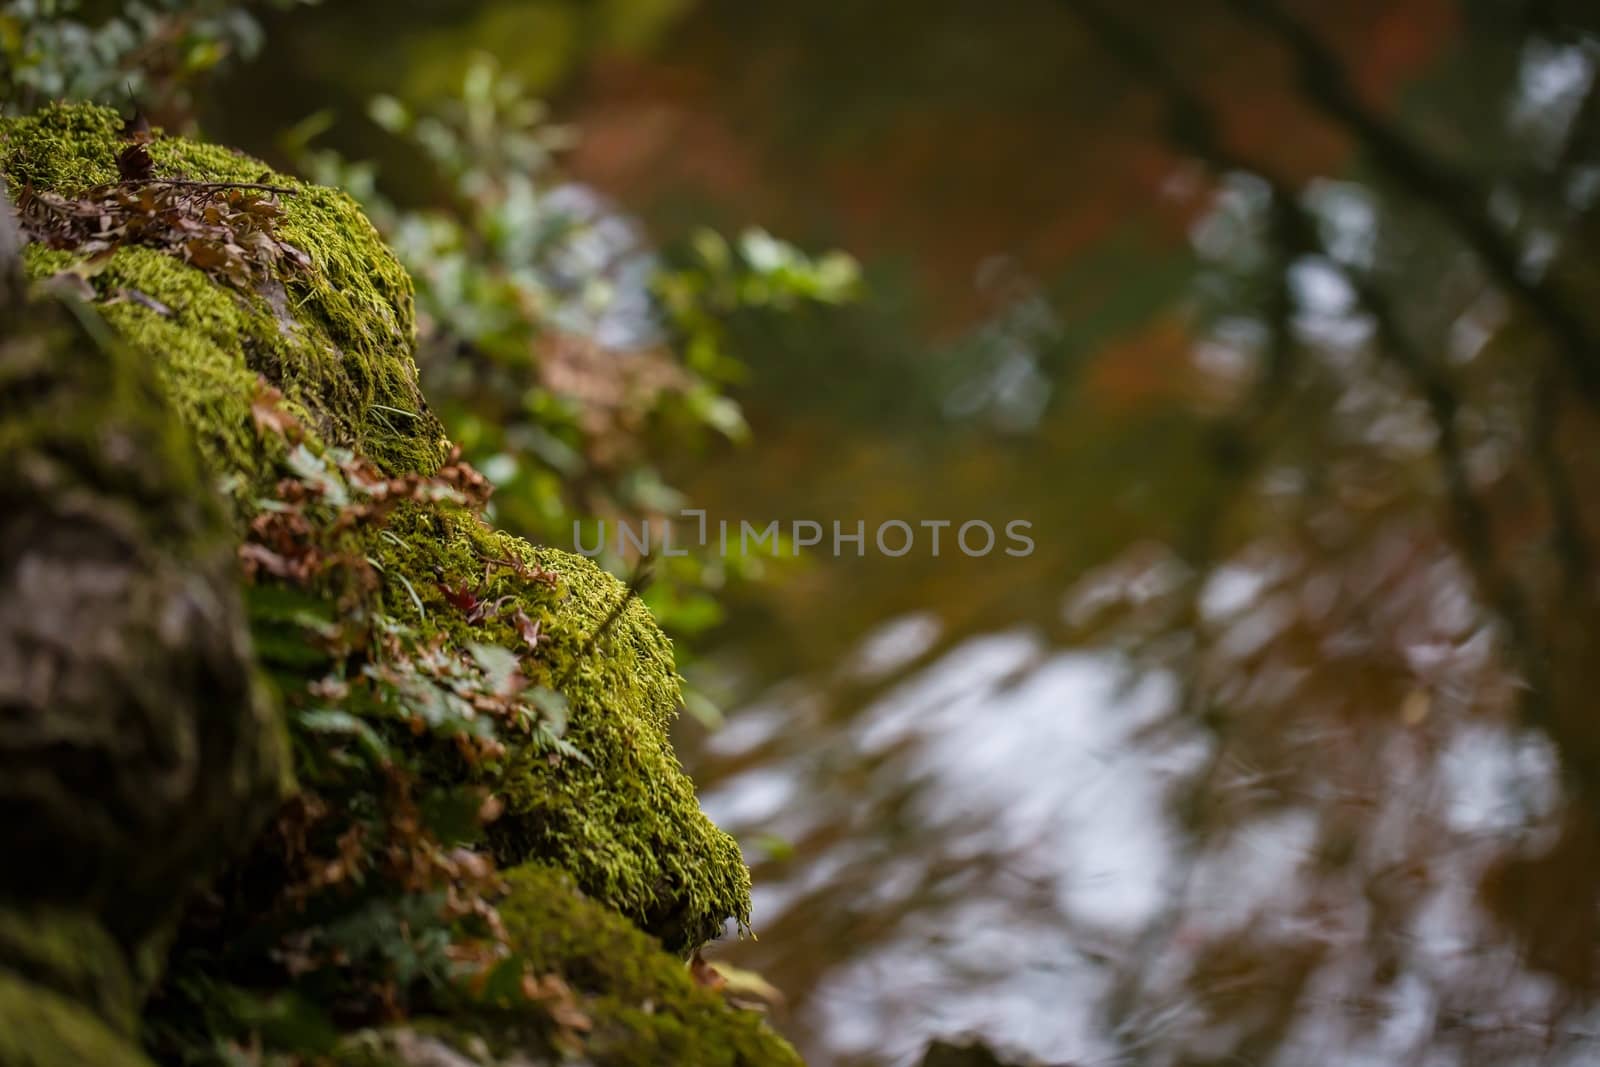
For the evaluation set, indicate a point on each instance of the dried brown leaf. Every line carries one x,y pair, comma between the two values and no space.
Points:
134,163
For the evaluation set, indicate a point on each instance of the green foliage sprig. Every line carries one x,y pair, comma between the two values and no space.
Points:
565,354
156,50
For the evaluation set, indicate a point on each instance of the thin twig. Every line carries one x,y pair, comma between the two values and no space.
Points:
1570,540
533,573
642,576
185,183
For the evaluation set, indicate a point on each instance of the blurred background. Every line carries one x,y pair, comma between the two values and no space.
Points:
1276,318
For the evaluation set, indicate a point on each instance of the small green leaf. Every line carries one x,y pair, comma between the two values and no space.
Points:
314,471
552,707
702,709
334,721
499,665
389,113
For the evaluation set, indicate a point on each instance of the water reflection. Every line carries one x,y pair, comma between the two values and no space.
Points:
1021,755
1044,861
1292,770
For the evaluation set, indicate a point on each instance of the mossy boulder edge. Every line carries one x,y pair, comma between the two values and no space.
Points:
621,827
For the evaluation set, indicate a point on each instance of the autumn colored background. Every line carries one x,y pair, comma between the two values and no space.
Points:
1276,321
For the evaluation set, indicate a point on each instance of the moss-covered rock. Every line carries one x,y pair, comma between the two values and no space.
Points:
624,821
611,809
134,732
336,338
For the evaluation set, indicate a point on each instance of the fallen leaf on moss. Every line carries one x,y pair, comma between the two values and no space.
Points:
134,163
227,231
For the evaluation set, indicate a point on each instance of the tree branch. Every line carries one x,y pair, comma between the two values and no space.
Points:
1454,194
1192,122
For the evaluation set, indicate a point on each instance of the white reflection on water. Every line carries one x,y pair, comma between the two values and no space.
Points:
894,645
1052,760
1051,757
1042,748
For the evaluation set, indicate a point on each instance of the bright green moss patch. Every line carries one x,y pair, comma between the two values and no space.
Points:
47,150
644,1006
625,823
638,1004
337,338
593,787
198,349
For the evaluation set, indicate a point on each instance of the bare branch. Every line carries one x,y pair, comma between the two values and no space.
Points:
217,187
1468,516
1451,192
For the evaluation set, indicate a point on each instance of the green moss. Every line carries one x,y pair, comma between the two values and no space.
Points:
201,361
337,339
68,393
45,151
71,954
41,1028
643,1007
627,825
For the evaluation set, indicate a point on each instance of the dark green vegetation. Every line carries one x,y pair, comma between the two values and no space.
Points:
232,367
